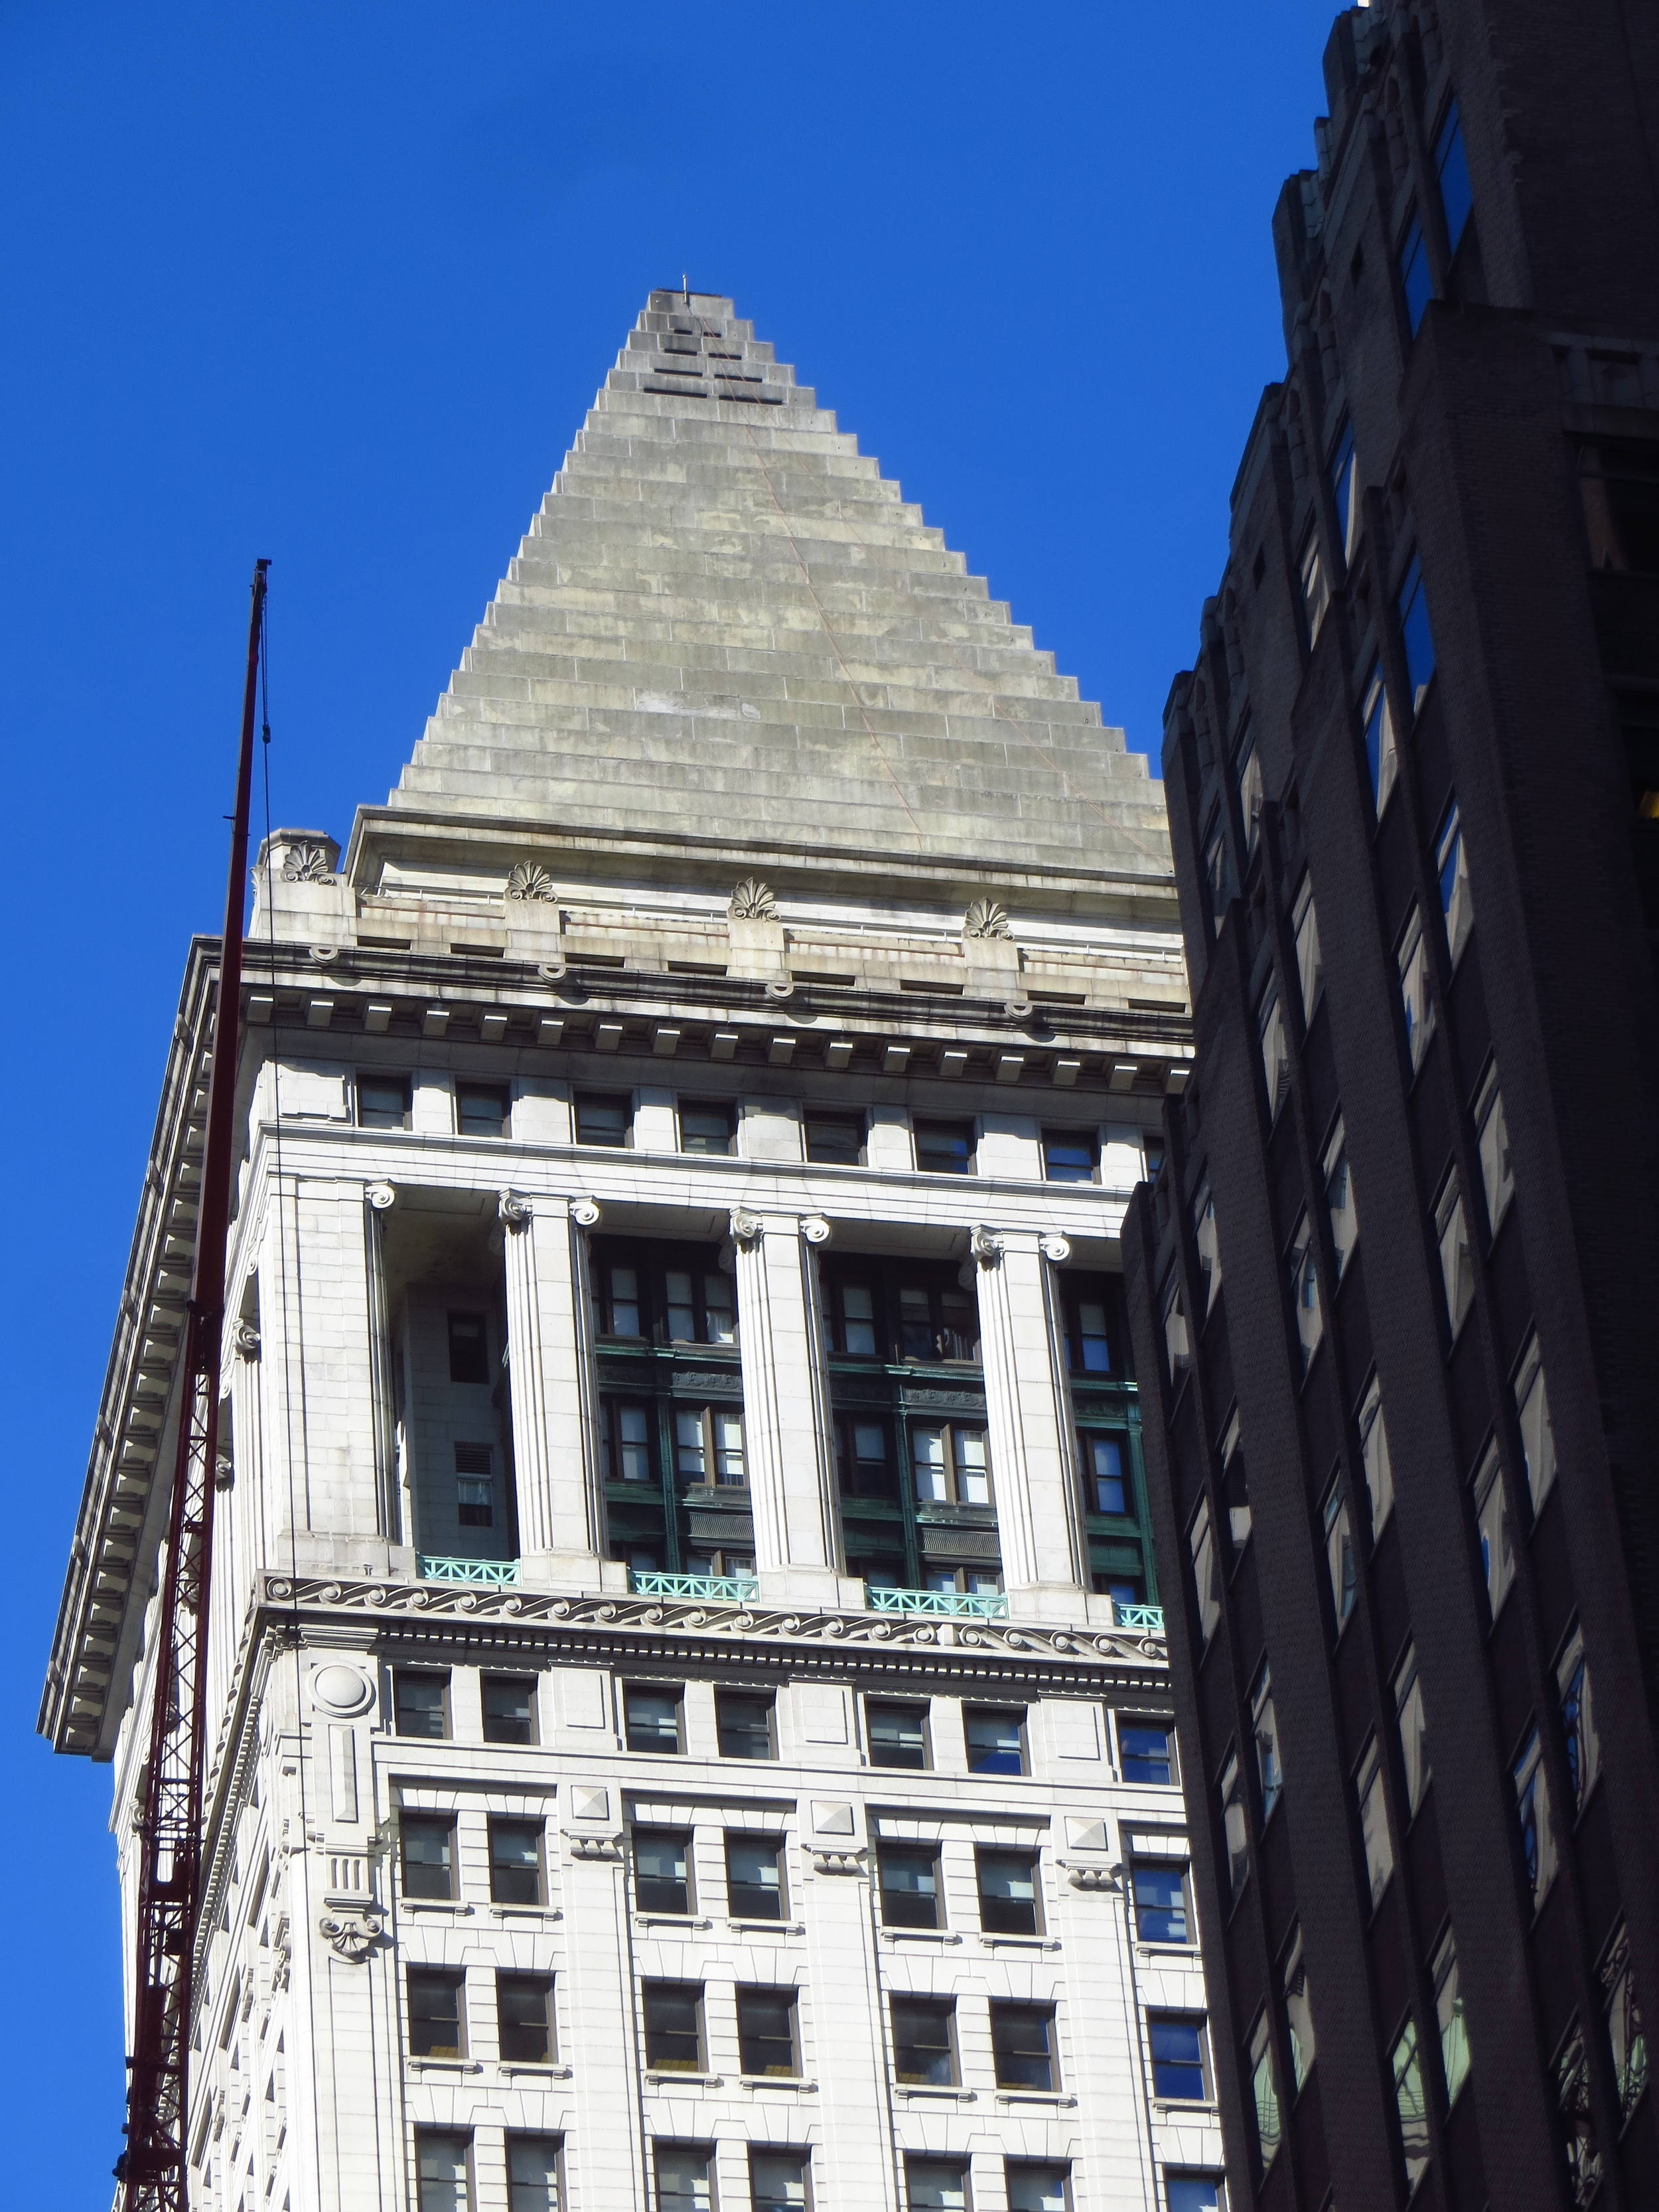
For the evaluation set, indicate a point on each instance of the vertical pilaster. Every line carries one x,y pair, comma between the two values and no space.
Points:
784,1406
609,2159
856,2099
1032,1469
550,1370
377,1199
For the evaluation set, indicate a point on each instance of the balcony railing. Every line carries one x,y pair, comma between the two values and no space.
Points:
1147,1618
970,1605
724,1589
497,1574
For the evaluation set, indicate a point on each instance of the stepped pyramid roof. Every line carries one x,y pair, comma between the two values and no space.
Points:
724,623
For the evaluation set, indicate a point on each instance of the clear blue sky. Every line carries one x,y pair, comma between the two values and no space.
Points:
336,285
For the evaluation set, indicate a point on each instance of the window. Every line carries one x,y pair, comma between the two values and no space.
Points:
1207,1572
651,1717
744,1724
509,1709
1339,1553
1414,999
1624,2017
1411,2105
684,2177
1374,1822
1578,1722
924,2041
1162,1914
897,1733
700,1306
1531,1801
1537,1436
1451,1230
754,1877
1216,872
532,2173
1452,866
834,1140
1275,1052
1203,1236
1090,1327
1298,2012
950,1465
1340,1200
475,1488
1264,2094
1037,2188
937,1320
437,2016
1491,1519
909,1887
1249,796
1235,1826
1234,1487
1105,1484
1415,281
421,1702
1491,1134
1577,2117
1010,1895
706,1127
996,1739
1455,199
662,1870
515,1862
673,2026
1310,967
1448,2013
1345,490
523,2018
382,1102
1023,2046
1145,1753
604,1118
625,1441
864,1458
1070,1155
1316,591
780,2180
481,1110
469,1348
1194,2192
1374,1456
767,2042
852,1317
1181,2071
945,1147
1413,1729
1381,757
1264,1726
935,2184
443,2166
428,1856
708,1445
1177,1346
1414,634
1305,1291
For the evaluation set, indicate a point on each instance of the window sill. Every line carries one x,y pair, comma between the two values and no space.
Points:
534,2070
1019,1943
935,2091
774,2081
1184,2104
658,2075
444,2065
670,1920
920,1935
1176,1952
502,1910
450,1905
771,1927
1057,2099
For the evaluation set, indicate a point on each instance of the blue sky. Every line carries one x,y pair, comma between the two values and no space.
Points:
336,285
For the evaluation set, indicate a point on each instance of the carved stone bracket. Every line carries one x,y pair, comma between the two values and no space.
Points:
1057,1250
745,1227
814,1229
838,1862
752,901
380,1196
551,971
1092,1877
781,988
985,1245
586,1213
516,1212
528,880
352,1930
985,917
593,1847
245,1341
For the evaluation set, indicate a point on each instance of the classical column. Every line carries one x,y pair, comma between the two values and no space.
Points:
785,1415
1033,1473
550,1374
377,1200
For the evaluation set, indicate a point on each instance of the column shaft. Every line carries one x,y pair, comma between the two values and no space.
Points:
1032,1465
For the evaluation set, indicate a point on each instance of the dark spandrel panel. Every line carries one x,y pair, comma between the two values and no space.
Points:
1423,1864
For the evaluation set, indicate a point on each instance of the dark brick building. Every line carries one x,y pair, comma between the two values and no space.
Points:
1396,1280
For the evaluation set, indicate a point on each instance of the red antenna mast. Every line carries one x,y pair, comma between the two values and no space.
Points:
151,2169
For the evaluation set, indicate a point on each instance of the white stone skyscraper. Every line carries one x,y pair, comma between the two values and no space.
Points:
692,1713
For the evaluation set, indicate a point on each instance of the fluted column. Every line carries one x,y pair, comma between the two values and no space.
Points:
785,1419
550,1367
377,1200
1033,1471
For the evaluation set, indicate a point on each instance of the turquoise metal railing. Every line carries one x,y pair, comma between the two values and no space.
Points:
498,1574
1148,1619
728,1589
975,1605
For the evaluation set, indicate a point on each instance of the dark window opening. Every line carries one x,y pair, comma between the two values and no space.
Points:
469,1348
1160,1894
706,1129
662,1871
996,1739
383,1101
421,1702
437,2015
910,1888
1070,1155
1010,1895
509,1709
515,1862
745,1725
1106,1475
475,1488
1022,2045
428,1852
754,1877
924,2040
766,2033
652,1718
945,1147
834,1140
523,2018
864,1458
1146,1751
673,2026
898,1735
481,1110
604,1118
